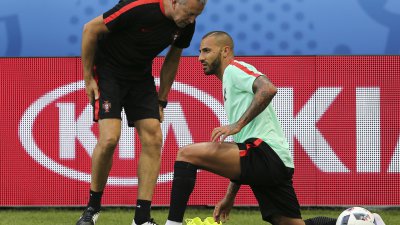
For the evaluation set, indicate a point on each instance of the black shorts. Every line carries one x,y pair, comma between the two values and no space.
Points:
269,179
139,99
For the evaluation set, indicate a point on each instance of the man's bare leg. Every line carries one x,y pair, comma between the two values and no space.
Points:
149,131
110,131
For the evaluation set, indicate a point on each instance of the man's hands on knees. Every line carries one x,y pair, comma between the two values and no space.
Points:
92,89
221,133
161,110
161,106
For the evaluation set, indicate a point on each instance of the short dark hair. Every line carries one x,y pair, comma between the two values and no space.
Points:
221,35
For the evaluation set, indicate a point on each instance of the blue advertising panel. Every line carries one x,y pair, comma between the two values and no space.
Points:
259,27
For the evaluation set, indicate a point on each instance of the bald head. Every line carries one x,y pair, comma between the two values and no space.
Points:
200,1
221,38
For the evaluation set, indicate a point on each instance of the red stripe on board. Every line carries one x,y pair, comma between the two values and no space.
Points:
128,7
244,69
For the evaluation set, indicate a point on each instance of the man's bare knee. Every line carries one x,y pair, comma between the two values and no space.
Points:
108,144
150,136
184,154
151,145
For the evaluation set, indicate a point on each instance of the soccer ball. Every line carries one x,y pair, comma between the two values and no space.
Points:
355,216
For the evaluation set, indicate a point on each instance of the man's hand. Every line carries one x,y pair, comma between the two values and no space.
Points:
221,133
161,109
222,210
92,89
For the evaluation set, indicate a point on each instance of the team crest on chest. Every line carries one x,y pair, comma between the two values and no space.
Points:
106,106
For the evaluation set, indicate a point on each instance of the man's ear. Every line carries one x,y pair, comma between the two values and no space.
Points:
225,51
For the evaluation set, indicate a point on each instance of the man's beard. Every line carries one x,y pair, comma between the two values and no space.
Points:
214,66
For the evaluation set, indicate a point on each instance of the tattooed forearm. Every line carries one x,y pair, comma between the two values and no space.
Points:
264,92
232,190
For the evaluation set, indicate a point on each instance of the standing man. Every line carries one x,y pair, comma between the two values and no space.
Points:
259,158
118,48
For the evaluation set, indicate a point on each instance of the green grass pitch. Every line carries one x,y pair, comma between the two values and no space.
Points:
122,216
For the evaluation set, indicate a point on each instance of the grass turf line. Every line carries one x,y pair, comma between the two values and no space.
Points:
122,216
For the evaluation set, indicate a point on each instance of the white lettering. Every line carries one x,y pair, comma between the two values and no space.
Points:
283,105
395,163
67,130
71,129
174,116
127,140
368,129
86,137
303,126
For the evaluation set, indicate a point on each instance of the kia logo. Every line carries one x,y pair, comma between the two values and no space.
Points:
26,133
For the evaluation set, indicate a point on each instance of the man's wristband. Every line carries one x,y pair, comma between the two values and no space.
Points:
163,103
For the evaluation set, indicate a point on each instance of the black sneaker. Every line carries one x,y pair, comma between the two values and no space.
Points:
150,222
88,217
